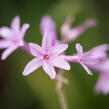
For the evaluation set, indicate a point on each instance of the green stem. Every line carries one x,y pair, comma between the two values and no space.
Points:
59,88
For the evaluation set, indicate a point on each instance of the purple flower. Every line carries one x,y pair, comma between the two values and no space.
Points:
13,37
47,56
48,24
90,58
70,34
102,85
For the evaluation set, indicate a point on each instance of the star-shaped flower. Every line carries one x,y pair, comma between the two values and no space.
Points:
13,37
47,56
90,58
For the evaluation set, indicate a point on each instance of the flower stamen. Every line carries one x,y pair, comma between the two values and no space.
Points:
46,57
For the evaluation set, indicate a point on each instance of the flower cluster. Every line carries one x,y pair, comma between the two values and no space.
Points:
51,54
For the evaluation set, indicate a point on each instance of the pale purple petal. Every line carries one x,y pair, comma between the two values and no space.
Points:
49,69
100,51
74,58
79,49
48,24
59,48
5,32
105,65
7,52
24,29
15,24
90,61
46,41
90,23
32,66
102,66
102,85
36,50
5,44
60,63
86,68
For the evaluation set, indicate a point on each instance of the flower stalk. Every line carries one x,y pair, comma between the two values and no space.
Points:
59,89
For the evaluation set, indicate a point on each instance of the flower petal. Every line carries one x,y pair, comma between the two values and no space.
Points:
48,24
7,52
102,85
90,61
59,48
15,24
36,50
100,51
32,66
49,69
74,58
86,68
79,49
24,29
46,41
70,34
5,32
60,63
4,44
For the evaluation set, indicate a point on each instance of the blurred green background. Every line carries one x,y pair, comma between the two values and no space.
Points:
37,91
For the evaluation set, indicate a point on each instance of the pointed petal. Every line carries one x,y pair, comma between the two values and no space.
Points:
103,47
86,68
5,32
79,49
15,24
71,58
46,41
99,52
32,66
4,44
90,61
48,24
49,69
59,48
36,50
24,29
7,52
60,63
102,85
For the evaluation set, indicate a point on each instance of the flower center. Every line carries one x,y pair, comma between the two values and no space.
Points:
81,59
46,57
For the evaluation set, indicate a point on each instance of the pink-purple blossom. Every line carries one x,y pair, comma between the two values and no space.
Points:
47,56
90,58
13,37
70,34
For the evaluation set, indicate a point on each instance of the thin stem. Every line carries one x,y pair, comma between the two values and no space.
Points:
59,89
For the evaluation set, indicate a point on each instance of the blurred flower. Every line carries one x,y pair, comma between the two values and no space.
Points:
13,37
100,52
102,85
48,24
47,56
70,34
90,58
